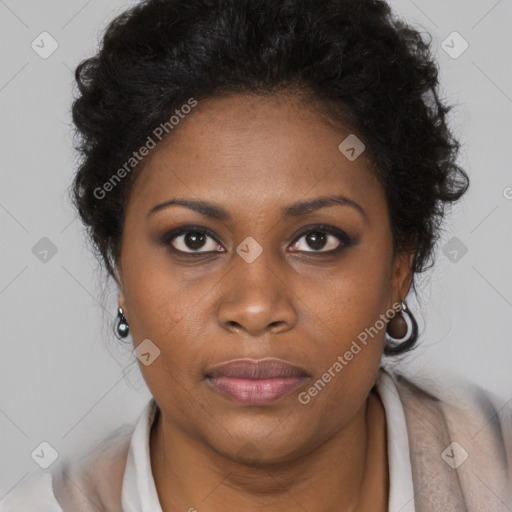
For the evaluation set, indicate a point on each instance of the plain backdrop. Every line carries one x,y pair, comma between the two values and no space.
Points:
66,380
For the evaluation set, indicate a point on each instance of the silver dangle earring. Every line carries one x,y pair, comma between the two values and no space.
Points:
122,328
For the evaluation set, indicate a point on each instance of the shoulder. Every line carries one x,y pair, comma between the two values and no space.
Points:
460,438
463,404
90,482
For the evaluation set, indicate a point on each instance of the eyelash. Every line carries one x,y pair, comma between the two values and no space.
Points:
345,240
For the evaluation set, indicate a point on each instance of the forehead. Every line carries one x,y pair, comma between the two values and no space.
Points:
253,152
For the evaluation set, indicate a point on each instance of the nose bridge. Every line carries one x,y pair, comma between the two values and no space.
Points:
255,275
256,297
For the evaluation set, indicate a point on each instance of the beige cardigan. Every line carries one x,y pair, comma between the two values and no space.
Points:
473,475
481,427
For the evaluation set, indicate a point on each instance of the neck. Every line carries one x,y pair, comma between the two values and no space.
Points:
351,465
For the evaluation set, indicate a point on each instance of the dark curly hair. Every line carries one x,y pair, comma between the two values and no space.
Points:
364,69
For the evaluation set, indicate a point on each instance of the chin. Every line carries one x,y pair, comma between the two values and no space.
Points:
260,443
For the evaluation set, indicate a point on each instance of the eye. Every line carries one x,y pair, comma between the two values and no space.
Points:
192,240
322,239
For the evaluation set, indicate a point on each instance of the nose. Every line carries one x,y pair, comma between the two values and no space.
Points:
256,299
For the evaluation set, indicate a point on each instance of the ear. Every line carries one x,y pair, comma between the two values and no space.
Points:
402,275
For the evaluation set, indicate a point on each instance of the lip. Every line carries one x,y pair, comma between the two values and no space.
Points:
256,382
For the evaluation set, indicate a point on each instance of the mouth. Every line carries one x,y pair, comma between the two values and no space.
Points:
256,382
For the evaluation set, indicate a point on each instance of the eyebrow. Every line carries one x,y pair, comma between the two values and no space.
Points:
294,210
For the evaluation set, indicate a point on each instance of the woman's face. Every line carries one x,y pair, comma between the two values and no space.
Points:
261,283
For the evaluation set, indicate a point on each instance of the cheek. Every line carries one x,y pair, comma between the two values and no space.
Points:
347,357
156,294
348,310
350,297
169,306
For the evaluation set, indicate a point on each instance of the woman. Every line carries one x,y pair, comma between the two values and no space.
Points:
264,180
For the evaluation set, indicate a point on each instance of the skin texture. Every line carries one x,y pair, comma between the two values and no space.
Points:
254,156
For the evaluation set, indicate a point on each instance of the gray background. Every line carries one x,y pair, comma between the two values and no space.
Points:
67,381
